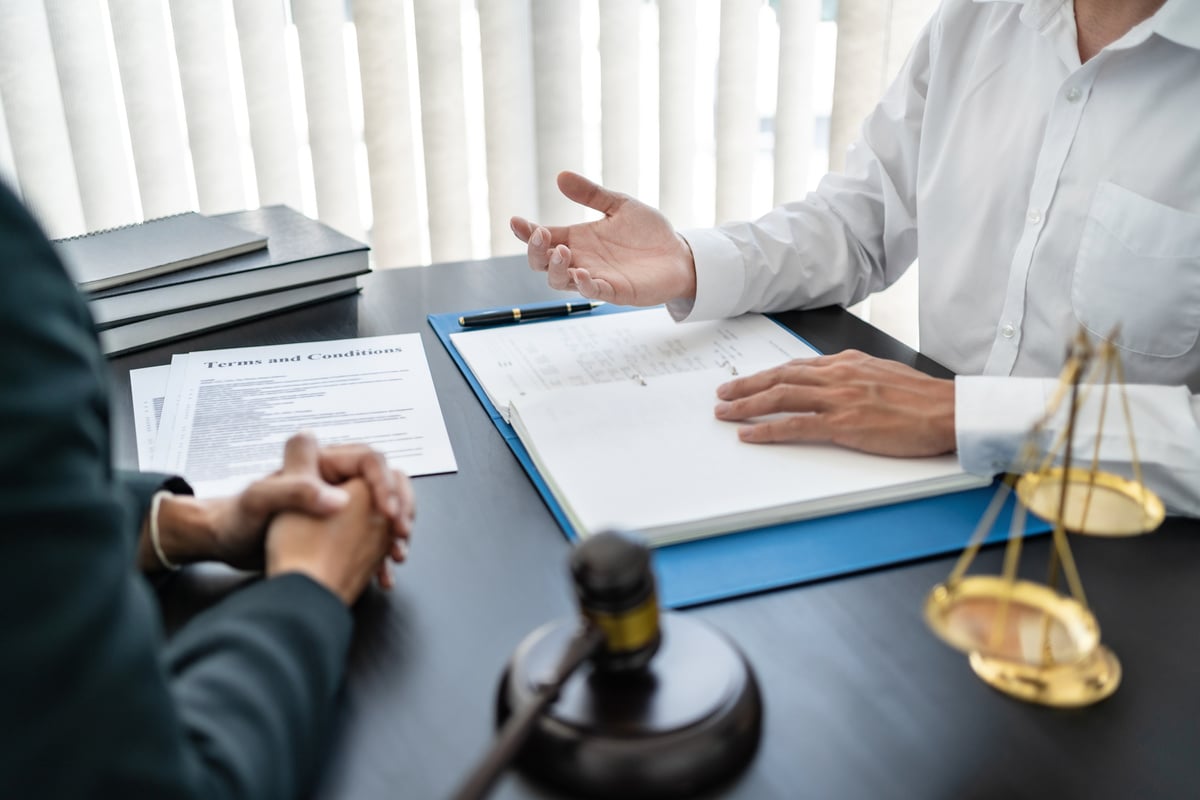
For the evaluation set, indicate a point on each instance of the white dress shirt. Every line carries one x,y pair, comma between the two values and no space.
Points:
1039,194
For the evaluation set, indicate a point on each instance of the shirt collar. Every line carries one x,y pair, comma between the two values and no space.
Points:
1177,20
1034,13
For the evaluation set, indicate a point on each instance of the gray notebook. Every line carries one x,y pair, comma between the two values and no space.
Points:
299,251
123,255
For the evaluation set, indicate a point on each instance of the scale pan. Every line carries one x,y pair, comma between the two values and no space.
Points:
1019,622
1061,685
1097,503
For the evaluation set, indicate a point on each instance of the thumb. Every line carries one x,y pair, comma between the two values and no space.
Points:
579,189
300,455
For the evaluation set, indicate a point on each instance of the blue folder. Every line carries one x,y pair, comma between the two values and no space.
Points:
736,564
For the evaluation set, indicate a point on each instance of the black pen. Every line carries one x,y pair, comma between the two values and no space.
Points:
521,314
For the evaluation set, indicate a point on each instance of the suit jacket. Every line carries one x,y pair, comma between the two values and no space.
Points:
92,703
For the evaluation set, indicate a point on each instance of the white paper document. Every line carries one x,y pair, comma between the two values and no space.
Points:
617,413
166,421
149,389
653,458
517,360
227,413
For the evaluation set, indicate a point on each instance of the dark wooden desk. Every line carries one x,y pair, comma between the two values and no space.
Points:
861,700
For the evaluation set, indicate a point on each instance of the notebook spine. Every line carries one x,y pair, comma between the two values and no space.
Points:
121,227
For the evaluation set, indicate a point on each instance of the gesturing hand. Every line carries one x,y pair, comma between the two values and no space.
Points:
632,256
850,399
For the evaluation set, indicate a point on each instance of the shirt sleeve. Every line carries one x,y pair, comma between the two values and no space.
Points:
993,417
856,234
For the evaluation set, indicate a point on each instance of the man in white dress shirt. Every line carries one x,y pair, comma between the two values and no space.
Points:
1042,160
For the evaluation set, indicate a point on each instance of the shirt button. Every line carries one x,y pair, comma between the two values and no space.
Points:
1034,216
1007,330
1073,94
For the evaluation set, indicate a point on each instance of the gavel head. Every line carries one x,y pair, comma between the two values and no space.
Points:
615,586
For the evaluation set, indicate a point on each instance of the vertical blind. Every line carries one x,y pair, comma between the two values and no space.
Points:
372,116
677,110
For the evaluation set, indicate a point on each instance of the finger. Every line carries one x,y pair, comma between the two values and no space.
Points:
592,288
384,576
306,494
341,462
838,366
559,276
752,384
391,491
521,228
401,498
524,230
408,508
841,357
778,399
300,454
798,371
539,250
793,428
541,243
579,189
372,467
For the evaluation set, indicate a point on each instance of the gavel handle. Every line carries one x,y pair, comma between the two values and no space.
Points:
518,726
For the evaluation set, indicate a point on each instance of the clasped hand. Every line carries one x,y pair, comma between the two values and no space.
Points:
321,485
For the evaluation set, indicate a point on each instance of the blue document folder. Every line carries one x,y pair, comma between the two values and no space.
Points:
735,564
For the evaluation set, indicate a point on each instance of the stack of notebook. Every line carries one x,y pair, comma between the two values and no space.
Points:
168,278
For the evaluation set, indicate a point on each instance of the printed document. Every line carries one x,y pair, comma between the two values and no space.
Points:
517,360
148,386
616,411
227,413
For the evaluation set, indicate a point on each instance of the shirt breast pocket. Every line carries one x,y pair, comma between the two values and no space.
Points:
1139,268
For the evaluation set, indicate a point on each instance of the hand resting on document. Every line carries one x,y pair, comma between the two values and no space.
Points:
315,482
849,399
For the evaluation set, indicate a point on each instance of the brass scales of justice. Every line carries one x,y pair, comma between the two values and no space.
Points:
1027,639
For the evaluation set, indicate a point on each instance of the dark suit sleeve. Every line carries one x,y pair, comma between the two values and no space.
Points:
89,706
140,487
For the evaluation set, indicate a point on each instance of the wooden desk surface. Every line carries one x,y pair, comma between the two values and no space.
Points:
861,700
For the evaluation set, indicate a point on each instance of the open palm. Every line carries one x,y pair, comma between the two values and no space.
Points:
631,256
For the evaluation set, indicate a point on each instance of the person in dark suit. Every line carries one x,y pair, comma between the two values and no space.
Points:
92,702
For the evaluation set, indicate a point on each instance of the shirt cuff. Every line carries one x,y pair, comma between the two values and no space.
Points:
720,277
993,416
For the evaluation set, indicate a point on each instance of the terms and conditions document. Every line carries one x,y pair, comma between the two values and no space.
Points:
227,413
